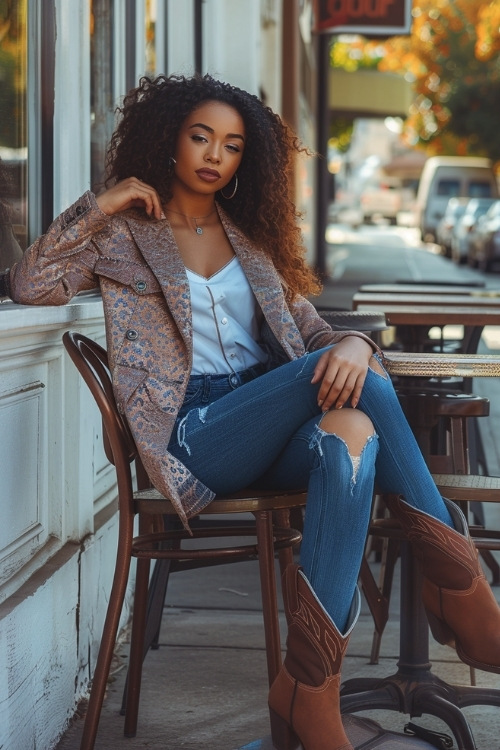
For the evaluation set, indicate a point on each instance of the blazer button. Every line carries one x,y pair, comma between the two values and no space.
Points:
131,335
141,286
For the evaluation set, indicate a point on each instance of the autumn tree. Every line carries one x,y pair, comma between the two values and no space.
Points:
452,58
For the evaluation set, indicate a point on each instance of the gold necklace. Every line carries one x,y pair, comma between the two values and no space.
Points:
198,229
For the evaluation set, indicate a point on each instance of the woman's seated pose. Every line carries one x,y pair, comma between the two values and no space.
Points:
229,378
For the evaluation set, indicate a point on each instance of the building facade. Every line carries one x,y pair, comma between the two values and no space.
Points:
64,65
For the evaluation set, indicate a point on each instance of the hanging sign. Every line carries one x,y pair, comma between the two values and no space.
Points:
367,17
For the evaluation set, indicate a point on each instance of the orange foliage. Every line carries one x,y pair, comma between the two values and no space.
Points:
447,47
488,31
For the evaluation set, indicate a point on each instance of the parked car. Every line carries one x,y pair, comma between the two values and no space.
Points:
381,200
462,232
455,209
445,177
487,243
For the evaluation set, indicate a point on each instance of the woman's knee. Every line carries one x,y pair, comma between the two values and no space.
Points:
352,425
377,367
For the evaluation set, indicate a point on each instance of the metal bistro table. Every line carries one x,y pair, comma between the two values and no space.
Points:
414,689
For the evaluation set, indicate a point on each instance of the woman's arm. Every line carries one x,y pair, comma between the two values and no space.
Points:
60,263
316,333
342,369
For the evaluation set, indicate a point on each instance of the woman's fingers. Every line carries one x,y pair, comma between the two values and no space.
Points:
130,193
342,372
340,393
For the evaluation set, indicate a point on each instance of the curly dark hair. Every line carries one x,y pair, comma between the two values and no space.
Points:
146,137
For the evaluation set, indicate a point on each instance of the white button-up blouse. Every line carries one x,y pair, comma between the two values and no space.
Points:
225,328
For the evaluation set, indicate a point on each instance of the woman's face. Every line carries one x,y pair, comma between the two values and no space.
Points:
209,148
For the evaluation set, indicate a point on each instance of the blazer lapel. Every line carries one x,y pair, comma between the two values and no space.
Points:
267,287
156,243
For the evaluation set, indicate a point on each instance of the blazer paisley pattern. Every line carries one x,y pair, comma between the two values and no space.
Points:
145,292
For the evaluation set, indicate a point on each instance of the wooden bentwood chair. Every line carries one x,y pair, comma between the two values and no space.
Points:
157,540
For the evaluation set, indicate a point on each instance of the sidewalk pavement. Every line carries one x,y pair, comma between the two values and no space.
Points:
206,686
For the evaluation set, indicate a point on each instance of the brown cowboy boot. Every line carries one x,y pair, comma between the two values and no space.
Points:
461,608
304,699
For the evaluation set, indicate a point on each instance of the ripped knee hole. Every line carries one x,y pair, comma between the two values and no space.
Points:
375,365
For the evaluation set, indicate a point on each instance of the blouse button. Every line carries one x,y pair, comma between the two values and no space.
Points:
141,286
224,321
131,335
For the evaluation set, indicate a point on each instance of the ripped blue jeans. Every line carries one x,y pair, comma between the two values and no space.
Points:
265,430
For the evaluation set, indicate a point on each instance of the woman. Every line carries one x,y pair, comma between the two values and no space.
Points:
228,377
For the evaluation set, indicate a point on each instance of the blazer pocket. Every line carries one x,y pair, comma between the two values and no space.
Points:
139,278
126,380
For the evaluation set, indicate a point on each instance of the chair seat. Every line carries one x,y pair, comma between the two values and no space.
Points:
466,487
354,320
243,501
153,503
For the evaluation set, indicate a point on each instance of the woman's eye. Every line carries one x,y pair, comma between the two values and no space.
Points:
200,138
232,147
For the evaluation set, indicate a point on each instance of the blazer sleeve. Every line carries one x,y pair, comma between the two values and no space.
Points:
60,263
315,332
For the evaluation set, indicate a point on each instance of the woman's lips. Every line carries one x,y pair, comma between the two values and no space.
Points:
209,175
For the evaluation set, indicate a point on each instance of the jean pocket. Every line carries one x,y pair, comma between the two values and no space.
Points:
193,393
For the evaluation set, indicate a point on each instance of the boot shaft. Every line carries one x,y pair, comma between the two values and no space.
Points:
448,556
315,647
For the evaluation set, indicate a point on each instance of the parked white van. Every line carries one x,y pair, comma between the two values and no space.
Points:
445,177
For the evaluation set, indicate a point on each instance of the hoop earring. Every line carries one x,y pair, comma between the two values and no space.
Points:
228,197
171,163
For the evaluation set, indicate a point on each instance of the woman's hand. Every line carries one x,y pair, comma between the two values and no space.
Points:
130,193
342,372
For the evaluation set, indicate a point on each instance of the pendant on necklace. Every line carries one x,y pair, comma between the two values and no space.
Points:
199,230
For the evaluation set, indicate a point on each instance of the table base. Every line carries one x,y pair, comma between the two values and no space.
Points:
414,689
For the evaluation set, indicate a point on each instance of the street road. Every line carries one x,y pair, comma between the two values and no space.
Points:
378,254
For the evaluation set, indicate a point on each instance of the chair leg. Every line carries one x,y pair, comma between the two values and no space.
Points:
137,647
156,601
108,642
264,530
378,597
284,521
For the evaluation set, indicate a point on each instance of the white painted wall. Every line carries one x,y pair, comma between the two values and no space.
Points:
231,42
180,37
55,565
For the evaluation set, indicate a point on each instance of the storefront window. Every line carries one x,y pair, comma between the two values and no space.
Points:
13,130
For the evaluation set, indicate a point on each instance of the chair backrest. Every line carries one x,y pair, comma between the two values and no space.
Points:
91,361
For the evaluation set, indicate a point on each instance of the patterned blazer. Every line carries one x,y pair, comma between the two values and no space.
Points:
145,292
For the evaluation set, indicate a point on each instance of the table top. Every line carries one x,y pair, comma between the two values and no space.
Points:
475,299
435,315
427,289
430,364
